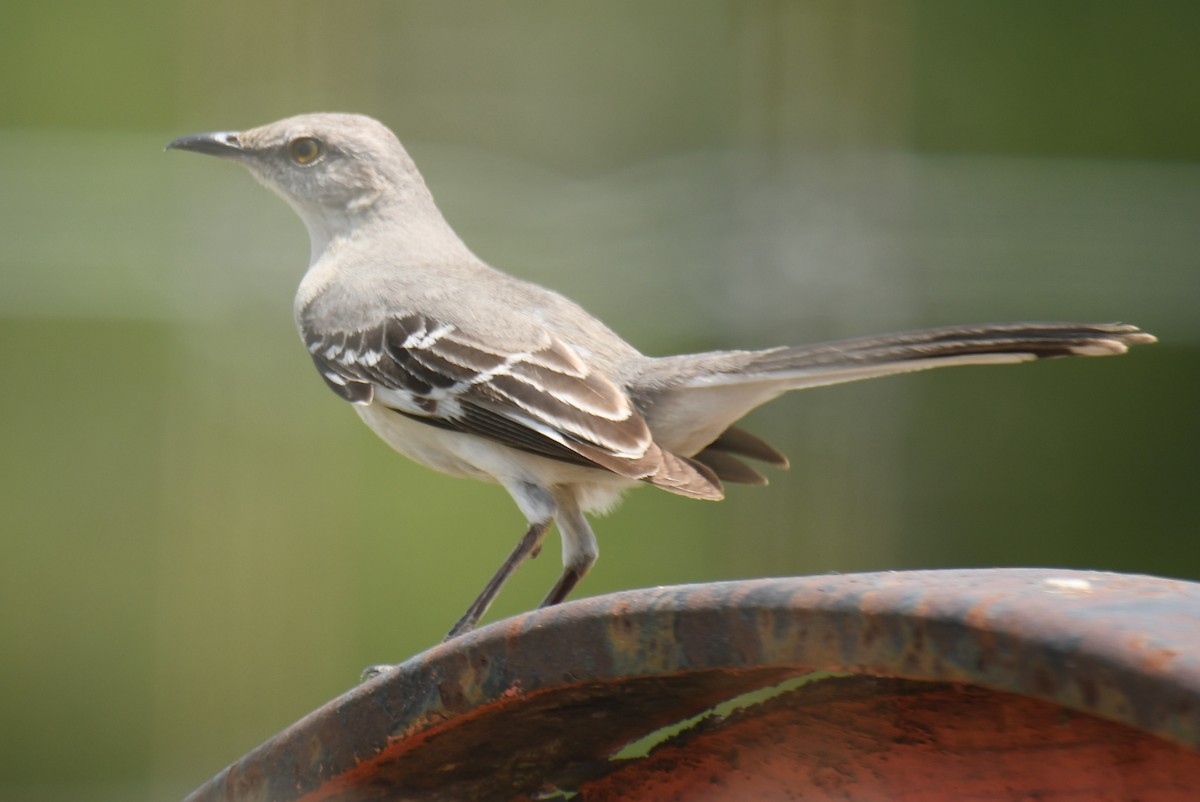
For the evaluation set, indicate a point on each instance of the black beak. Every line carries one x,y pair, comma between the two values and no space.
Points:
215,143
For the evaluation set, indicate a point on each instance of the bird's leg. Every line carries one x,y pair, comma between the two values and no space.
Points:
529,545
579,548
562,588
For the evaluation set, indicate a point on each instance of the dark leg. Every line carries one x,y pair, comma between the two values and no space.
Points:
563,587
579,548
529,545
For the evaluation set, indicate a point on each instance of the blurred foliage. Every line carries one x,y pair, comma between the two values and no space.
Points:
202,543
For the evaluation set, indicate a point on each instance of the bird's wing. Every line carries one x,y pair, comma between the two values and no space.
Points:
543,399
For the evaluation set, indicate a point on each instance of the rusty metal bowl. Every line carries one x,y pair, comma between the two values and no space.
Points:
1000,684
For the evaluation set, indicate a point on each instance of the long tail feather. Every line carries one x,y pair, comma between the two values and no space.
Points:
992,343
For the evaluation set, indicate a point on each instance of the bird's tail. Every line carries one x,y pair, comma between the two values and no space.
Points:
693,400
866,357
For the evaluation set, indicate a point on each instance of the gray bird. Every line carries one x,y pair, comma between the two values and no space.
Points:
475,373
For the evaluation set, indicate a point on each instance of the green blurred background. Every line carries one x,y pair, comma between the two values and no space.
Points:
201,543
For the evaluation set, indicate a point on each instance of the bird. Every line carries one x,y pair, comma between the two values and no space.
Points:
476,373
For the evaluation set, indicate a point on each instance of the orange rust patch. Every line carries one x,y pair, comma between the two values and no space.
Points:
853,738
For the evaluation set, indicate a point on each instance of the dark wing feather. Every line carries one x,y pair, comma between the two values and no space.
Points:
724,454
502,429
544,400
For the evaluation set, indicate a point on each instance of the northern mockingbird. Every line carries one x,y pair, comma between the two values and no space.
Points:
475,373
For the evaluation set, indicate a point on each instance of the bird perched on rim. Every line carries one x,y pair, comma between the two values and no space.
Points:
475,373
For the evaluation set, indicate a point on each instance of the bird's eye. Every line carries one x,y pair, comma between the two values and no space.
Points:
304,150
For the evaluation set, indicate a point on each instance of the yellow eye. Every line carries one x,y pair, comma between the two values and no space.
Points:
304,150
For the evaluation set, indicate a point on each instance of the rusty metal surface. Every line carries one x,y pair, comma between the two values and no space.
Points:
540,700
874,739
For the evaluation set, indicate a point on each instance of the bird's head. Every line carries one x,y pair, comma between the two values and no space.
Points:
336,170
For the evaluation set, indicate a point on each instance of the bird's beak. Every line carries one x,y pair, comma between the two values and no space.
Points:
215,143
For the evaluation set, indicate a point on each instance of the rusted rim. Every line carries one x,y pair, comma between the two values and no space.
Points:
1124,648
